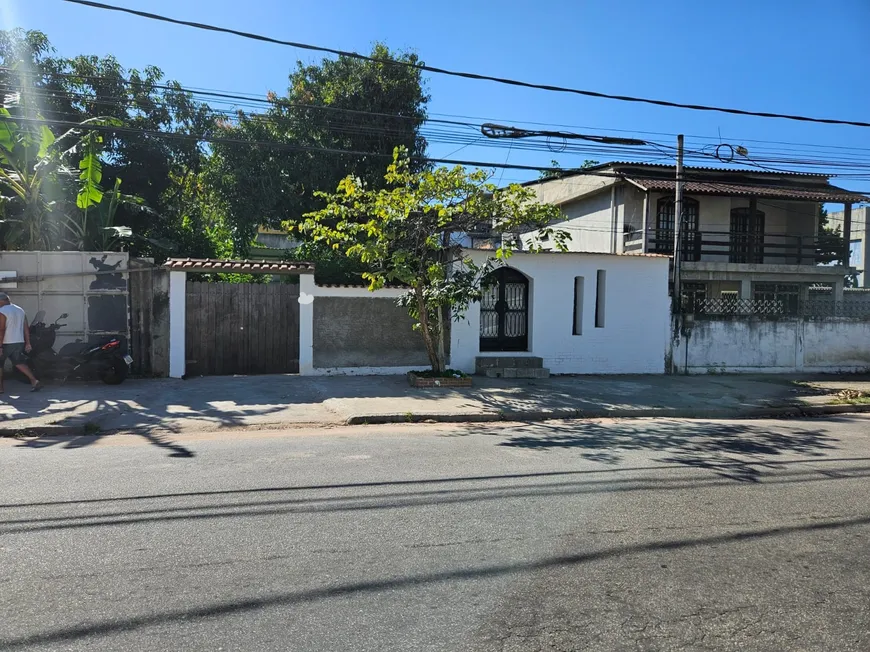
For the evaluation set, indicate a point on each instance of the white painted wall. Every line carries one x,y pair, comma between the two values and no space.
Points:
177,324
776,346
637,315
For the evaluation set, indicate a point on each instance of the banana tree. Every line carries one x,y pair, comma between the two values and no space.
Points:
94,228
28,163
34,178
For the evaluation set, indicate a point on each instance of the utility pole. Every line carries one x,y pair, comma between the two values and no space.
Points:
678,226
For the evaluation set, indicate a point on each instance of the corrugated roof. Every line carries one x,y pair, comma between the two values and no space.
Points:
701,168
238,266
822,192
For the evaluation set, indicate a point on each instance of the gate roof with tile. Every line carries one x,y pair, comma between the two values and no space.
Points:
238,266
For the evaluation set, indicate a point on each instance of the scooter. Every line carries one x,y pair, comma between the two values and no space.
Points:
77,360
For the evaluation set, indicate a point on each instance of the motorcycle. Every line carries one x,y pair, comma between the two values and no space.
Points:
78,360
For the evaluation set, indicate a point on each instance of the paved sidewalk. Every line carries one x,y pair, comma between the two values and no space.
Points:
275,401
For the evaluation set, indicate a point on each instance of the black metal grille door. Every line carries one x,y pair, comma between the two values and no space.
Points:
504,312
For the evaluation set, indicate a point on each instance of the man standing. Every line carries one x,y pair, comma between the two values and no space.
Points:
15,342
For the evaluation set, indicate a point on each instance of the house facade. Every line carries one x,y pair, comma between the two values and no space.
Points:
566,313
747,234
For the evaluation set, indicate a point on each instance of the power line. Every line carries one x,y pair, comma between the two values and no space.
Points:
328,150
466,75
251,101
850,162
464,138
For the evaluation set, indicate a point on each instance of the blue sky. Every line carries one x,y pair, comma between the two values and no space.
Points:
791,56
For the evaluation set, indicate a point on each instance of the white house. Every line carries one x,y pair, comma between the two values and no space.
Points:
571,313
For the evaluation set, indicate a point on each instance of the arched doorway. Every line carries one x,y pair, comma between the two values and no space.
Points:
504,311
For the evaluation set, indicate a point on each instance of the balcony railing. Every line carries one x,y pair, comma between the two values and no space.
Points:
734,247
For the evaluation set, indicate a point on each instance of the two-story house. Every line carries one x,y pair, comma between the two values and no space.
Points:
748,234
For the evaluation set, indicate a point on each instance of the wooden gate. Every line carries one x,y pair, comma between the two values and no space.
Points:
242,328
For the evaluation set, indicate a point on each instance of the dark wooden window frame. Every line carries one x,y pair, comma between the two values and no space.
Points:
747,236
666,220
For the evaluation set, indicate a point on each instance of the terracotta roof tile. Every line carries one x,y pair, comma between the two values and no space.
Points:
802,192
238,266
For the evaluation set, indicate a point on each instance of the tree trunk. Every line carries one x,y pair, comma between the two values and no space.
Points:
442,333
426,332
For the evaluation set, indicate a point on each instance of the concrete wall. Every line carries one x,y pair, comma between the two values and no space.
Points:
560,191
633,339
149,318
365,332
776,346
91,287
589,221
352,331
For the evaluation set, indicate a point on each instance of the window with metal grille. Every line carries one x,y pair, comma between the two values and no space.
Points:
665,220
693,295
787,295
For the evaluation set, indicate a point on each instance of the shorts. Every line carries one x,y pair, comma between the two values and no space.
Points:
15,353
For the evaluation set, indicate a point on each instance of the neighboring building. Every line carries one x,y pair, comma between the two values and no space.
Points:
748,234
271,244
860,241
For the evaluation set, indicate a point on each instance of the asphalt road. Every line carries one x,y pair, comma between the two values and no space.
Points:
619,535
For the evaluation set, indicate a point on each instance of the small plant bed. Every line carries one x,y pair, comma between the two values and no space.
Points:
446,378
852,397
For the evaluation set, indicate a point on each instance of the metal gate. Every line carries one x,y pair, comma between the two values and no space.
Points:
504,312
242,328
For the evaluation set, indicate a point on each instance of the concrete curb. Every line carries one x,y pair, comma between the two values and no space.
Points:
771,412
37,431
782,411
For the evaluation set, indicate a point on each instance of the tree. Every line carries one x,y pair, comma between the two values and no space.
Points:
546,175
360,109
403,230
156,170
830,243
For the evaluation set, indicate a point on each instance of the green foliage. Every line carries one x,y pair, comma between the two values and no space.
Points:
403,233
342,104
557,173
154,169
831,244
331,265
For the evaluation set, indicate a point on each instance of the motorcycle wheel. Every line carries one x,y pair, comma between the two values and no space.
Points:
115,373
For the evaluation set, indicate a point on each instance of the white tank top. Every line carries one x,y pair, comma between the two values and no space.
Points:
14,324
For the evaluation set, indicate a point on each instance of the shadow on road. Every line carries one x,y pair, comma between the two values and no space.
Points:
121,625
734,450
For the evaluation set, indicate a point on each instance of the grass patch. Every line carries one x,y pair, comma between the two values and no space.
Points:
862,400
852,397
91,428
